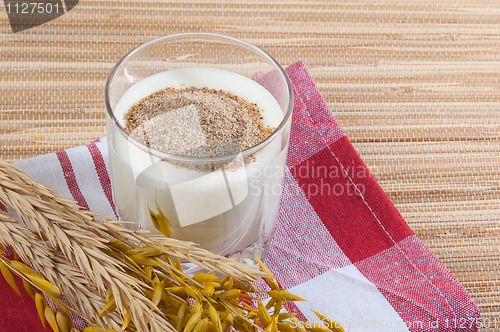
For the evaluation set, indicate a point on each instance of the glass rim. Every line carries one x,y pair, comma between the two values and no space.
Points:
194,35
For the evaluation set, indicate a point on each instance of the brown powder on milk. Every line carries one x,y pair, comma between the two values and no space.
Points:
195,122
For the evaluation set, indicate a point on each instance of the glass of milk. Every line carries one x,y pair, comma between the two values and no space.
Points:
226,204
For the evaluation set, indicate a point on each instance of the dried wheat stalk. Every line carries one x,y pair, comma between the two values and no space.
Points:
55,268
102,267
35,200
41,208
61,224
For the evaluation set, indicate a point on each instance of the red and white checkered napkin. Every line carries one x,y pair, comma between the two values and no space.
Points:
339,242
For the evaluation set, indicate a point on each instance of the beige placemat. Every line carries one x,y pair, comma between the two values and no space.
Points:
415,84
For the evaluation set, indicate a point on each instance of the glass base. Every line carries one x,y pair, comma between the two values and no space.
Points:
248,255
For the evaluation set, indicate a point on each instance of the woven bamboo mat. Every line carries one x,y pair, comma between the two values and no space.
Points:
415,84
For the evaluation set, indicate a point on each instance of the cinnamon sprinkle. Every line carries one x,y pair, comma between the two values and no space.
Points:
195,122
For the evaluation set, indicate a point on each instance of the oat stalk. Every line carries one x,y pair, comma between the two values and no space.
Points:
76,288
126,280
65,229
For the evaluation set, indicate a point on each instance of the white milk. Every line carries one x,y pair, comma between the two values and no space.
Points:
223,211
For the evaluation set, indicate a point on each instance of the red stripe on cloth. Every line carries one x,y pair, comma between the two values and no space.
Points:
102,173
444,305
301,239
319,112
348,200
69,176
19,314
383,211
313,126
291,307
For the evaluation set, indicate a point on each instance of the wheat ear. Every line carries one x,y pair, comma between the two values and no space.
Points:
77,289
66,230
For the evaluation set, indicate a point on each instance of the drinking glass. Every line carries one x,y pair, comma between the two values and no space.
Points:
226,204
